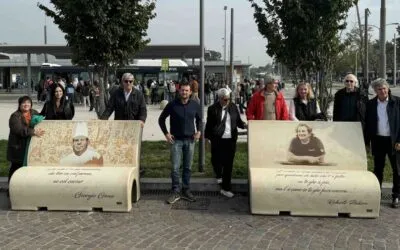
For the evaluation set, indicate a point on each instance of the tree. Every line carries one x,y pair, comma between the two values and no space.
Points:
103,33
212,55
304,36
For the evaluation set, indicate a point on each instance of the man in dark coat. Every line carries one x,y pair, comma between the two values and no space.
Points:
128,103
382,130
349,103
223,119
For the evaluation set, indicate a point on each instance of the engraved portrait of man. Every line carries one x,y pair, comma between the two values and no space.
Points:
306,148
83,154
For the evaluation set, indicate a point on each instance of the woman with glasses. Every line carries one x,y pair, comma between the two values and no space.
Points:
223,120
349,103
304,107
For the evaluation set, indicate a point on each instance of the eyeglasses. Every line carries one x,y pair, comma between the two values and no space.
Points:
225,100
350,81
128,81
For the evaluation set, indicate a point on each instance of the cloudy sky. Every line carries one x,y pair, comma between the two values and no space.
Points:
177,22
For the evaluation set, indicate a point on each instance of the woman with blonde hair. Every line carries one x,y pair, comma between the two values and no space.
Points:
304,107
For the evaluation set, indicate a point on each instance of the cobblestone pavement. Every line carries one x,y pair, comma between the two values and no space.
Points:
213,222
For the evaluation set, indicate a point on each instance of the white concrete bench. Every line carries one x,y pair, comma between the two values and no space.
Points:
339,184
64,173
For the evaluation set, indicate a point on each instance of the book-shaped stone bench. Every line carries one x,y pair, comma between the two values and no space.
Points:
80,165
310,169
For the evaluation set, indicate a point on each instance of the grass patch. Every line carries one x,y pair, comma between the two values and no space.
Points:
155,159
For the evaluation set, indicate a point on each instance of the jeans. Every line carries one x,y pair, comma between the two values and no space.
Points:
181,149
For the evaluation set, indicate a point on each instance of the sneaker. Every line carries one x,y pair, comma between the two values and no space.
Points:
187,195
219,180
395,203
173,198
228,194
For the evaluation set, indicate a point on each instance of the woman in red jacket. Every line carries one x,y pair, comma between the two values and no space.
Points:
267,104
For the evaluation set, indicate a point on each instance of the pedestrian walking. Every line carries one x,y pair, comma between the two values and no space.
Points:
183,113
383,133
223,120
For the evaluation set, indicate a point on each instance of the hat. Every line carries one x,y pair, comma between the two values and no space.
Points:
80,130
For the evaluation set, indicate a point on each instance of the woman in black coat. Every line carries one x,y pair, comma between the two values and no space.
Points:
20,132
58,107
223,119
304,106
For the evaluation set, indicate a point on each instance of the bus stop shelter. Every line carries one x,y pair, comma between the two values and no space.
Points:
64,52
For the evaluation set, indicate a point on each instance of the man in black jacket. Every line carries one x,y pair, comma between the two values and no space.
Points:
127,102
223,119
383,132
349,103
183,112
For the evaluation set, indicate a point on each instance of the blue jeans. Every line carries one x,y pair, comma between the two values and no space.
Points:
181,149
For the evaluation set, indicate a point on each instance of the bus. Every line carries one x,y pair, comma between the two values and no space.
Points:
143,70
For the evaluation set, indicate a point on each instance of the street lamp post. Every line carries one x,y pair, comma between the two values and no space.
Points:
394,62
225,8
382,40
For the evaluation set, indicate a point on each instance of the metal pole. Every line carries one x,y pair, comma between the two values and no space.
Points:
233,86
366,63
382,31
394,62
225,8
45,42
202,159
29,74
355,70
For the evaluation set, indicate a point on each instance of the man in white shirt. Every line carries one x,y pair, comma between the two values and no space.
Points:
383,132
82,154
223,119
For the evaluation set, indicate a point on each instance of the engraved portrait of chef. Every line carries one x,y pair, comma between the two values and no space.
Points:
83,154
306,148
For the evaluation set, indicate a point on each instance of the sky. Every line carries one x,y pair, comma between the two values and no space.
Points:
177,22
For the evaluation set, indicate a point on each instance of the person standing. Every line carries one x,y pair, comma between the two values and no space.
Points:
58,107
304,107
267,104
183,113
20,132
349,104
85,94
223,119
194,86
383,132
127,102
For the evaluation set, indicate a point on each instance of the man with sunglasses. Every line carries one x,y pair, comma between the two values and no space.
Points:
349,103
127,102
223,119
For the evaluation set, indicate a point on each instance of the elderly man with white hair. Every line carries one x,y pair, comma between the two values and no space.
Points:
349,103
127,102
383,133
223,120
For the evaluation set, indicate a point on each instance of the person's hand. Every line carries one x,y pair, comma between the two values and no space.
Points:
196,136
38,132
397,146
141,124
170,138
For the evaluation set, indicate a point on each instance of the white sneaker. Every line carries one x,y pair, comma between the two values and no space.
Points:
219,180
228,194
